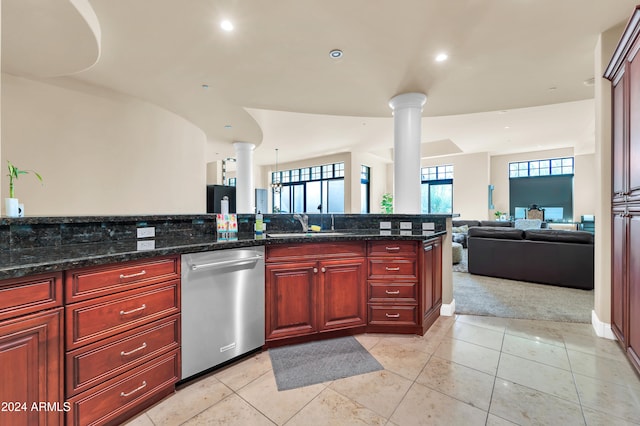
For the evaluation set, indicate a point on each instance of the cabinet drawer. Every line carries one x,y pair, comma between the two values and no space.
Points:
390,315
95,363
91,320
20,296
315,251
129,394
398,268
86,283
390,292
392,248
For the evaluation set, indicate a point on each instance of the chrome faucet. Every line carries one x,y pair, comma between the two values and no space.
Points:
304,221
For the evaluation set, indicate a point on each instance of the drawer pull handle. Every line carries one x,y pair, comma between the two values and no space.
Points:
123,353
393,315
397,268
133,311
392,292
392,248
137,274
139,388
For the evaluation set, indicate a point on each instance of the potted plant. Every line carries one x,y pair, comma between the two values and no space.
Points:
11,203
387,203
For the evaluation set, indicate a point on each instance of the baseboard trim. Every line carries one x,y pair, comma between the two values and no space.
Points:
602,329
448,309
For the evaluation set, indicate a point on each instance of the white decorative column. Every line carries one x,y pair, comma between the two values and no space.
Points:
407,125
245,202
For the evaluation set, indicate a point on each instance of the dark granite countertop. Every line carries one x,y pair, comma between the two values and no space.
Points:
36,260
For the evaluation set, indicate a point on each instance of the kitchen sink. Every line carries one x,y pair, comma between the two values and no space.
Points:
304,234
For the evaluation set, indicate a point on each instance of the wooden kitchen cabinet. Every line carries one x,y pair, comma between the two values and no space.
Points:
31,346
122,326
624,73
431,282
314,288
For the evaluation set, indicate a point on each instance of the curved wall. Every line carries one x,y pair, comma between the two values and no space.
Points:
99,152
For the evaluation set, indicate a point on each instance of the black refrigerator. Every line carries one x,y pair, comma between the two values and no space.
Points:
215,193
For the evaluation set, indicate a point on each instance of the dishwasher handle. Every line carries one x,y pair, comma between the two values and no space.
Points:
223,263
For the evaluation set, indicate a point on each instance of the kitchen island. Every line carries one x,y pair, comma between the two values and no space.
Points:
101,307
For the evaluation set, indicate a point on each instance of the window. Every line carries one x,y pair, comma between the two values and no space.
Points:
437,189
365,189
546,183
231,182
553,167
316,189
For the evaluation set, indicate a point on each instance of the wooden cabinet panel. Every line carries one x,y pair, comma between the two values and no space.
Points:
87,283
393,292
618,145
634,287
393,315
392,248
92,320
401,268
633,153
98,362
25,295
342,297
133,392
290,296
315,251
618,275
31,368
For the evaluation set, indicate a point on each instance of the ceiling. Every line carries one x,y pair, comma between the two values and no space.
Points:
514,80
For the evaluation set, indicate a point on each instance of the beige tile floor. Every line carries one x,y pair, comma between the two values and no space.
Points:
466,370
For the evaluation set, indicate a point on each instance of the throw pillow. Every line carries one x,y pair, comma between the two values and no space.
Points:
460,229
528,224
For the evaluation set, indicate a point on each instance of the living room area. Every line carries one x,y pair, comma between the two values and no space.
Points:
509,269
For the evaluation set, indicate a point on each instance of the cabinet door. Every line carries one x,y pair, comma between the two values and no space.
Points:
618,276
618,146
31,369
342,294
290,296
633,157
634,286
431,282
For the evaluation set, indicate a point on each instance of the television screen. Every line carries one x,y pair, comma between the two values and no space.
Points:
553,214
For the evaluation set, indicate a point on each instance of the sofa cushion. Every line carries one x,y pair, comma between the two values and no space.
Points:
496,232
557,235
496,223
528,224
469,223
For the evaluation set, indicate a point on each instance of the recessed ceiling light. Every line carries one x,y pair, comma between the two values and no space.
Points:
551,89
205,86
226,25
228,126
507,127
335,54
589,82
441,57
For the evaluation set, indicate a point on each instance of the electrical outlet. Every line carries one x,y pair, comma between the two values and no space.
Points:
385,225
146,245
405,225
147,232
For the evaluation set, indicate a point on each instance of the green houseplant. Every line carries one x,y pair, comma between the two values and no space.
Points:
11,203
387,203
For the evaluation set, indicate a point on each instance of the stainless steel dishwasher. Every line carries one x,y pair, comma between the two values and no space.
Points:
222,306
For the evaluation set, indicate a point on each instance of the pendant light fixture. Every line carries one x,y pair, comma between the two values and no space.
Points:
276,185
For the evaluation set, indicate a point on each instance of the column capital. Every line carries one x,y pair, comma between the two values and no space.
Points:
408,100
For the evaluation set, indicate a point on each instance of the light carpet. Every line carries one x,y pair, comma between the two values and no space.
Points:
498,297
315,362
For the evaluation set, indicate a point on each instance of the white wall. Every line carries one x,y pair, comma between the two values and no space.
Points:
470,183
584,186
99,152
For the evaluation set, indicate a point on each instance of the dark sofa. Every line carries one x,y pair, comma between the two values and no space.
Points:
557,257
